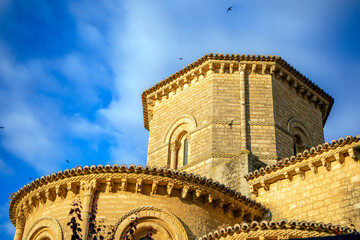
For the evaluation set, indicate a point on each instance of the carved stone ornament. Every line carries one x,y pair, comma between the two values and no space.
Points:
169,188
301,173
123,184
109,185
154,187
326,164
184,191
138,186
20,221
89,187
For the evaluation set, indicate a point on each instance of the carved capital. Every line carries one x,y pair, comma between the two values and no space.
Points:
242,67
20,221
89,187
175,145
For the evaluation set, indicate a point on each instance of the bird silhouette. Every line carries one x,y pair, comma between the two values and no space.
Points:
67,161
1,127
30,178
180,58
229,9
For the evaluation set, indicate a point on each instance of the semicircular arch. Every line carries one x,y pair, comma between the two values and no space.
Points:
162,221
45,227
294,124
184,119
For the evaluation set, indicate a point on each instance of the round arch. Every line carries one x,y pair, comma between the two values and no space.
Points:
298,129
187,122
45,228
163,224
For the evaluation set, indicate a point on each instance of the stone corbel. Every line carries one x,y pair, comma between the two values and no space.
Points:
288,176
138,186
231,68
263,69
211,69
228,207
49,195
154,187
26,209
254,191
71,188
253,68
184,192
354,154
60,191
326,164
109,185
294,85
340,158
280,74
219,203
123,186
265,185
272,69
169,188
196,195
301,173
307,94
313,168
222,66
41,197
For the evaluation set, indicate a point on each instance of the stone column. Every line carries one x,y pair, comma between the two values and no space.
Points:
242,68
89,188
20,225
174,146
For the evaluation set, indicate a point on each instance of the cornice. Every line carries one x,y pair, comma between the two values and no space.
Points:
277,225
59,184
269,65
322,155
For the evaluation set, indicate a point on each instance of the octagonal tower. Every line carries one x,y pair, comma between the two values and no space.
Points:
225,115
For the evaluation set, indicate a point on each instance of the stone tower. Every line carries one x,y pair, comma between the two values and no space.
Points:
225,115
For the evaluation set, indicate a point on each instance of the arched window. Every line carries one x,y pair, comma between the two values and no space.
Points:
186,152
298,145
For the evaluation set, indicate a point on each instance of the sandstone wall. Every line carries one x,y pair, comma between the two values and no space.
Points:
330,195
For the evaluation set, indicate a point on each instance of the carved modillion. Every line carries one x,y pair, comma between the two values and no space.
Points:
184,191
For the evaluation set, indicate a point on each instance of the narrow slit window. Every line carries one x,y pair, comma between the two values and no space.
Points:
186,152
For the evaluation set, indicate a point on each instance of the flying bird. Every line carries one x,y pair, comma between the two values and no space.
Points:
67,161
229,9
180,58
1,127
30,178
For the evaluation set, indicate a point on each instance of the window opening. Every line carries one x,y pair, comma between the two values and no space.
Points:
186,150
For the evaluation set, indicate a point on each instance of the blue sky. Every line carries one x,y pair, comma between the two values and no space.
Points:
72,72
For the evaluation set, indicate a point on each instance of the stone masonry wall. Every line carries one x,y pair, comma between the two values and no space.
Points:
327,196
288,104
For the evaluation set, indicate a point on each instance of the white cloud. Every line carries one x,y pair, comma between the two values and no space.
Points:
5,169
